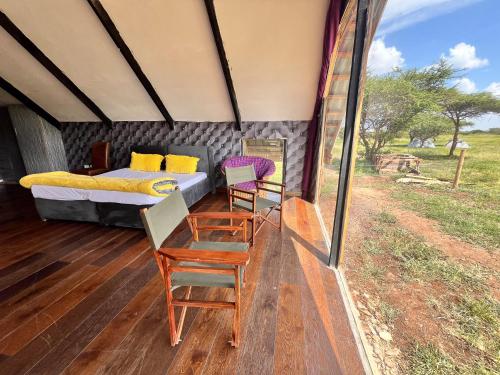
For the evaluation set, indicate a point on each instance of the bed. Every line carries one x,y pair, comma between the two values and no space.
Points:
122,208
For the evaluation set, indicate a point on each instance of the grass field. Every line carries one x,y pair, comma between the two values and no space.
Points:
472,212
442,310
482,161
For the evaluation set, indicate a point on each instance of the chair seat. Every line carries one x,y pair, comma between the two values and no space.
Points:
260,203
209,280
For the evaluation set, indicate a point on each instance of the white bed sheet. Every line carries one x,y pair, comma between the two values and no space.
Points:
184,182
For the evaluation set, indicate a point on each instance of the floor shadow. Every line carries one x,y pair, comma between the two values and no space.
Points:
321,256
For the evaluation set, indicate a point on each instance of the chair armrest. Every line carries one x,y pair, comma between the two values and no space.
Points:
271,183
206,256
221,215
243,191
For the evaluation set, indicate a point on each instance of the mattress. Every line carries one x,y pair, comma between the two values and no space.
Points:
184,181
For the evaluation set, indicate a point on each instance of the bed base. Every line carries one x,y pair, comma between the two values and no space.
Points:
109,214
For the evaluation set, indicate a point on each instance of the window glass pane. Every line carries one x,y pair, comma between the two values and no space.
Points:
421,257
333,121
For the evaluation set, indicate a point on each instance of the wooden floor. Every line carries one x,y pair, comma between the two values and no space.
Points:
84,299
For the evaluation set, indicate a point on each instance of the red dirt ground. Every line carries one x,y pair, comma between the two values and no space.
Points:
417,320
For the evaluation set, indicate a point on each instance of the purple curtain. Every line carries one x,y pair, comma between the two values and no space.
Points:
331,27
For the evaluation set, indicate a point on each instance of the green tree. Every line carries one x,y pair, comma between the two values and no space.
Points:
390,104
427,125
461,108
432,79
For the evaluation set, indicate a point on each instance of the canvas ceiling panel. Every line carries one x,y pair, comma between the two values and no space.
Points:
6,98
19,68
71,35
274,50
173,43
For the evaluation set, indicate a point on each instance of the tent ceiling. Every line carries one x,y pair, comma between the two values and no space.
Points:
179,58
7,99
22,70
273,48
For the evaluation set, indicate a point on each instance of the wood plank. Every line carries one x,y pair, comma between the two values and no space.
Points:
20,264
63,325
321,352
223,358
289,353
263,314
147,342
94,354
63,354
66,247
90,290
28,303
13,289
196,347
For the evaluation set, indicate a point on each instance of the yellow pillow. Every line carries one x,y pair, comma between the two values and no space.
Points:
146,162
181,164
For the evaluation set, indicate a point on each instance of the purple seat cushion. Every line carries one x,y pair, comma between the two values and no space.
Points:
263,168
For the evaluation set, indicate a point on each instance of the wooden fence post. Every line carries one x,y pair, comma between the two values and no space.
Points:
459,169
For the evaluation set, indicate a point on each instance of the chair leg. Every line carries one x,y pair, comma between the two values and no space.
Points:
171,319
236,320
230,207
254,224
281,218
183,315
170,307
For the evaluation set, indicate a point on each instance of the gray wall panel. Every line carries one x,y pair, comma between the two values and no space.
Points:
40,143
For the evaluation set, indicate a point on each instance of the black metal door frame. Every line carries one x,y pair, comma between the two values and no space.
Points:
349,135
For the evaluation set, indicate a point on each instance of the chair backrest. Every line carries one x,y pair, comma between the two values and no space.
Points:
161,219
100,155
239,175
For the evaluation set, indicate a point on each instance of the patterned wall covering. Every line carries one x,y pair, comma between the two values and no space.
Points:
40,143
221,136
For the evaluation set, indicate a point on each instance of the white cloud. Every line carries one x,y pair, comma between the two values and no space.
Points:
465,85
494,88
383,59
400,14
463,56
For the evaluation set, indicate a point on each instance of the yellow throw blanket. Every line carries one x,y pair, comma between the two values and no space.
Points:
158,187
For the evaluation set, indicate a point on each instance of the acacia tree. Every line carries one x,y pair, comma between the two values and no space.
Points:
390,103
460,108
427,125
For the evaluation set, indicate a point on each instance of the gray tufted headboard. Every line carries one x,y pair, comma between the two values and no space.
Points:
206,163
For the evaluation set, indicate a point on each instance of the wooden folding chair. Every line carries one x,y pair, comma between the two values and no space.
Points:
203,263
252,201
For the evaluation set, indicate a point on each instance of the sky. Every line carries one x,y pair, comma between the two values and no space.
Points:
417,33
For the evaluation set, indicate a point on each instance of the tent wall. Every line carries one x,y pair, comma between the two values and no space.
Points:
225,141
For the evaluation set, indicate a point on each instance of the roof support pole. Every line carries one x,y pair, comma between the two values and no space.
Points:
34,51
347,161
29,103
113,32
209,4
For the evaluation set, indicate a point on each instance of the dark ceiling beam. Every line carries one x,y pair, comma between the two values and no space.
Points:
209,4
29,103
113,32
34,51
